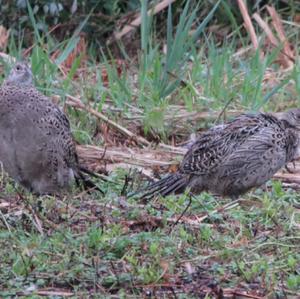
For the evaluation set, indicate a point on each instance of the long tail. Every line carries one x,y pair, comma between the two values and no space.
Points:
172,183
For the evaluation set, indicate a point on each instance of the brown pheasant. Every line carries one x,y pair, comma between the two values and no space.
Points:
36,149
243,154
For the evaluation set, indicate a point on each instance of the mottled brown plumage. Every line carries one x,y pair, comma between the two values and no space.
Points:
37,148
243,154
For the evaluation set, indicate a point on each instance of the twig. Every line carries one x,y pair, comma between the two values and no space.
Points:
77,103
5,222
240,52
228,206
36,219
239,293
173,149
196,223
142,158
288,177
223,110
53,293
181,215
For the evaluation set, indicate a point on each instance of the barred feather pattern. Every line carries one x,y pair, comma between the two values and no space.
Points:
242,154
37,148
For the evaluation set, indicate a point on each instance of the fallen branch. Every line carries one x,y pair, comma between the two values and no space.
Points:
145,158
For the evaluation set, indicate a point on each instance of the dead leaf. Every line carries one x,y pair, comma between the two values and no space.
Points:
79,50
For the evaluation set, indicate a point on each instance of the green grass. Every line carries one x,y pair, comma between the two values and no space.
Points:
110,246
97,245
